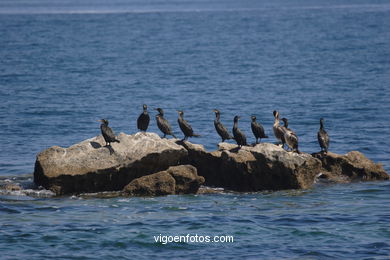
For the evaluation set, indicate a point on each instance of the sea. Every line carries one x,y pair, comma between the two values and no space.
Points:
66,64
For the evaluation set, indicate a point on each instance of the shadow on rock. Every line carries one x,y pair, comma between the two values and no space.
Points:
95,145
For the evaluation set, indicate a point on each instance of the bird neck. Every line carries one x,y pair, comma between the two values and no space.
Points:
235,125
276,121
217,116
321,126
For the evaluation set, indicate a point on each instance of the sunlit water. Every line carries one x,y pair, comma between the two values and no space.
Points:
63,65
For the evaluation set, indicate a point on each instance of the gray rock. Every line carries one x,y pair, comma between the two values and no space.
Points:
181,179
90,167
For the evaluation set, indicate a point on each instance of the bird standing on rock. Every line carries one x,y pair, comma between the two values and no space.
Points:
163,124
185,126
289,136
143,119
257,129
278,132
107,132
323,137
221,130
238,135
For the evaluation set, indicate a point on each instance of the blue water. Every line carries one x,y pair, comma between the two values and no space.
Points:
63,65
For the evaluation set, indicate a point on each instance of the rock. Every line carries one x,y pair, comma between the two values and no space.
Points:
350,167
181,179
11,187
187,179
209,190
157,184
262,167
90,167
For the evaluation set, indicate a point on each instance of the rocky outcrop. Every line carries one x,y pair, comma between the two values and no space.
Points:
181,179
90,167
353,166
143,162
262,167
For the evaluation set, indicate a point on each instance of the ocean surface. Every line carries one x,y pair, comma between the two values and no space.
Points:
66,64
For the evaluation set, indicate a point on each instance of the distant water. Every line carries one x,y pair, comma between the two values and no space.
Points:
65,64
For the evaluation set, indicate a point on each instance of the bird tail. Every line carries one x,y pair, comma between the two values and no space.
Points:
196,135
174,136
265,136
116,140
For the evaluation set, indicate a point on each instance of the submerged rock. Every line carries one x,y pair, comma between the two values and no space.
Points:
181,179
89,166
11,187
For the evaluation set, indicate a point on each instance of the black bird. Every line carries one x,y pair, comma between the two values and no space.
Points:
257,129
323,137
163,124
284,128
289,136
185,126
285,122
278,132
107,132
143,119
238,135
221,130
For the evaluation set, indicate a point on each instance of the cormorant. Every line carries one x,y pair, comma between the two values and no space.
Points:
285,122
238,135
257,129
323,137
278,132
163,124
221,130
185,126
289,137
107,132
143,119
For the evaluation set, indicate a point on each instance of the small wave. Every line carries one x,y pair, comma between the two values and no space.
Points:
29,192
